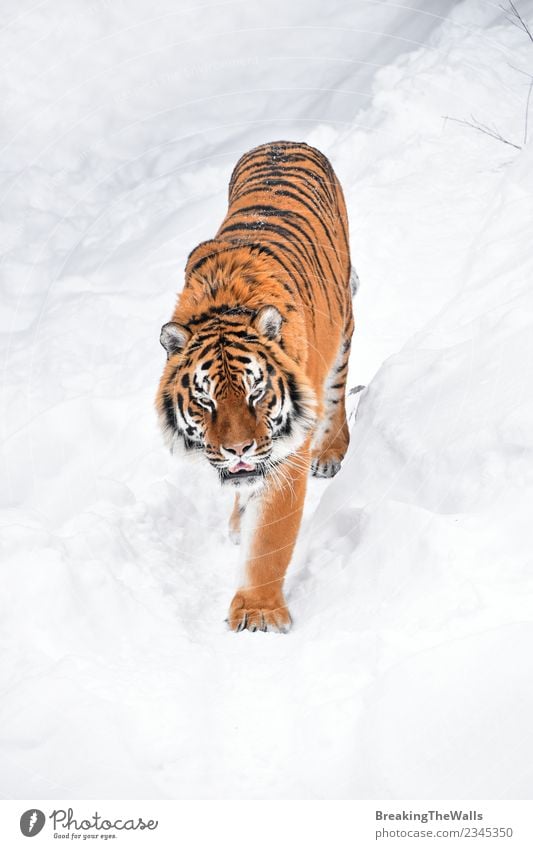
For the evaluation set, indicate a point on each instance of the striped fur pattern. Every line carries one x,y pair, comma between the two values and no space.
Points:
257,356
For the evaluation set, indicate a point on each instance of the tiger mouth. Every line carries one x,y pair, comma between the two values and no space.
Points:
226,476
241,466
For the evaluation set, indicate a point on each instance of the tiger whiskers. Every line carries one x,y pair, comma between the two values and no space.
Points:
281,477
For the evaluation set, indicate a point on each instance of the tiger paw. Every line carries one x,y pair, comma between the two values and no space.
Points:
235,536
258,614
325,468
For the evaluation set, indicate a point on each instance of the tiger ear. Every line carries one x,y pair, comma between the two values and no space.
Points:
268,321
174,337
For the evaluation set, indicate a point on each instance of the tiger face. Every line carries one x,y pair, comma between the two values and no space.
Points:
230,392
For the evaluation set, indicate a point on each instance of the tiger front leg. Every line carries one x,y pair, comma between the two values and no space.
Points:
235,521
274,516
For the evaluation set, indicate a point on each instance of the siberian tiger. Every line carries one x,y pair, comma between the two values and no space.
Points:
257,358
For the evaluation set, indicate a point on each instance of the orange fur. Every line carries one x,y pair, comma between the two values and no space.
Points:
266,308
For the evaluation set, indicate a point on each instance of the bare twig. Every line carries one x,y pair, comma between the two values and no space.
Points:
520,71
527,110
521,24
483,128
514,17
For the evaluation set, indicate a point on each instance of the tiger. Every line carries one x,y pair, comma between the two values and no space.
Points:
257,359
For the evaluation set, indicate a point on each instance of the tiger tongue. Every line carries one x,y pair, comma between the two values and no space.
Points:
241,466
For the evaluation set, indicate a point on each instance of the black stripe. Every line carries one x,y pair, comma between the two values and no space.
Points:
297,172
280,231
170,413
294,260
306,246
274,211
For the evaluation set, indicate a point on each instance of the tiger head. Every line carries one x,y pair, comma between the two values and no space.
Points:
230,392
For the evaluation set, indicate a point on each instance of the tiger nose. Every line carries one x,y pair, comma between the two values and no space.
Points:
238,448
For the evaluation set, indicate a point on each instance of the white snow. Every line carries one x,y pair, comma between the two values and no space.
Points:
408,673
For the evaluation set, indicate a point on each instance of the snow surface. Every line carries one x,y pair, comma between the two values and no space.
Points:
408,673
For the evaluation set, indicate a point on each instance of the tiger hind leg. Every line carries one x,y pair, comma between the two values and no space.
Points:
332,435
